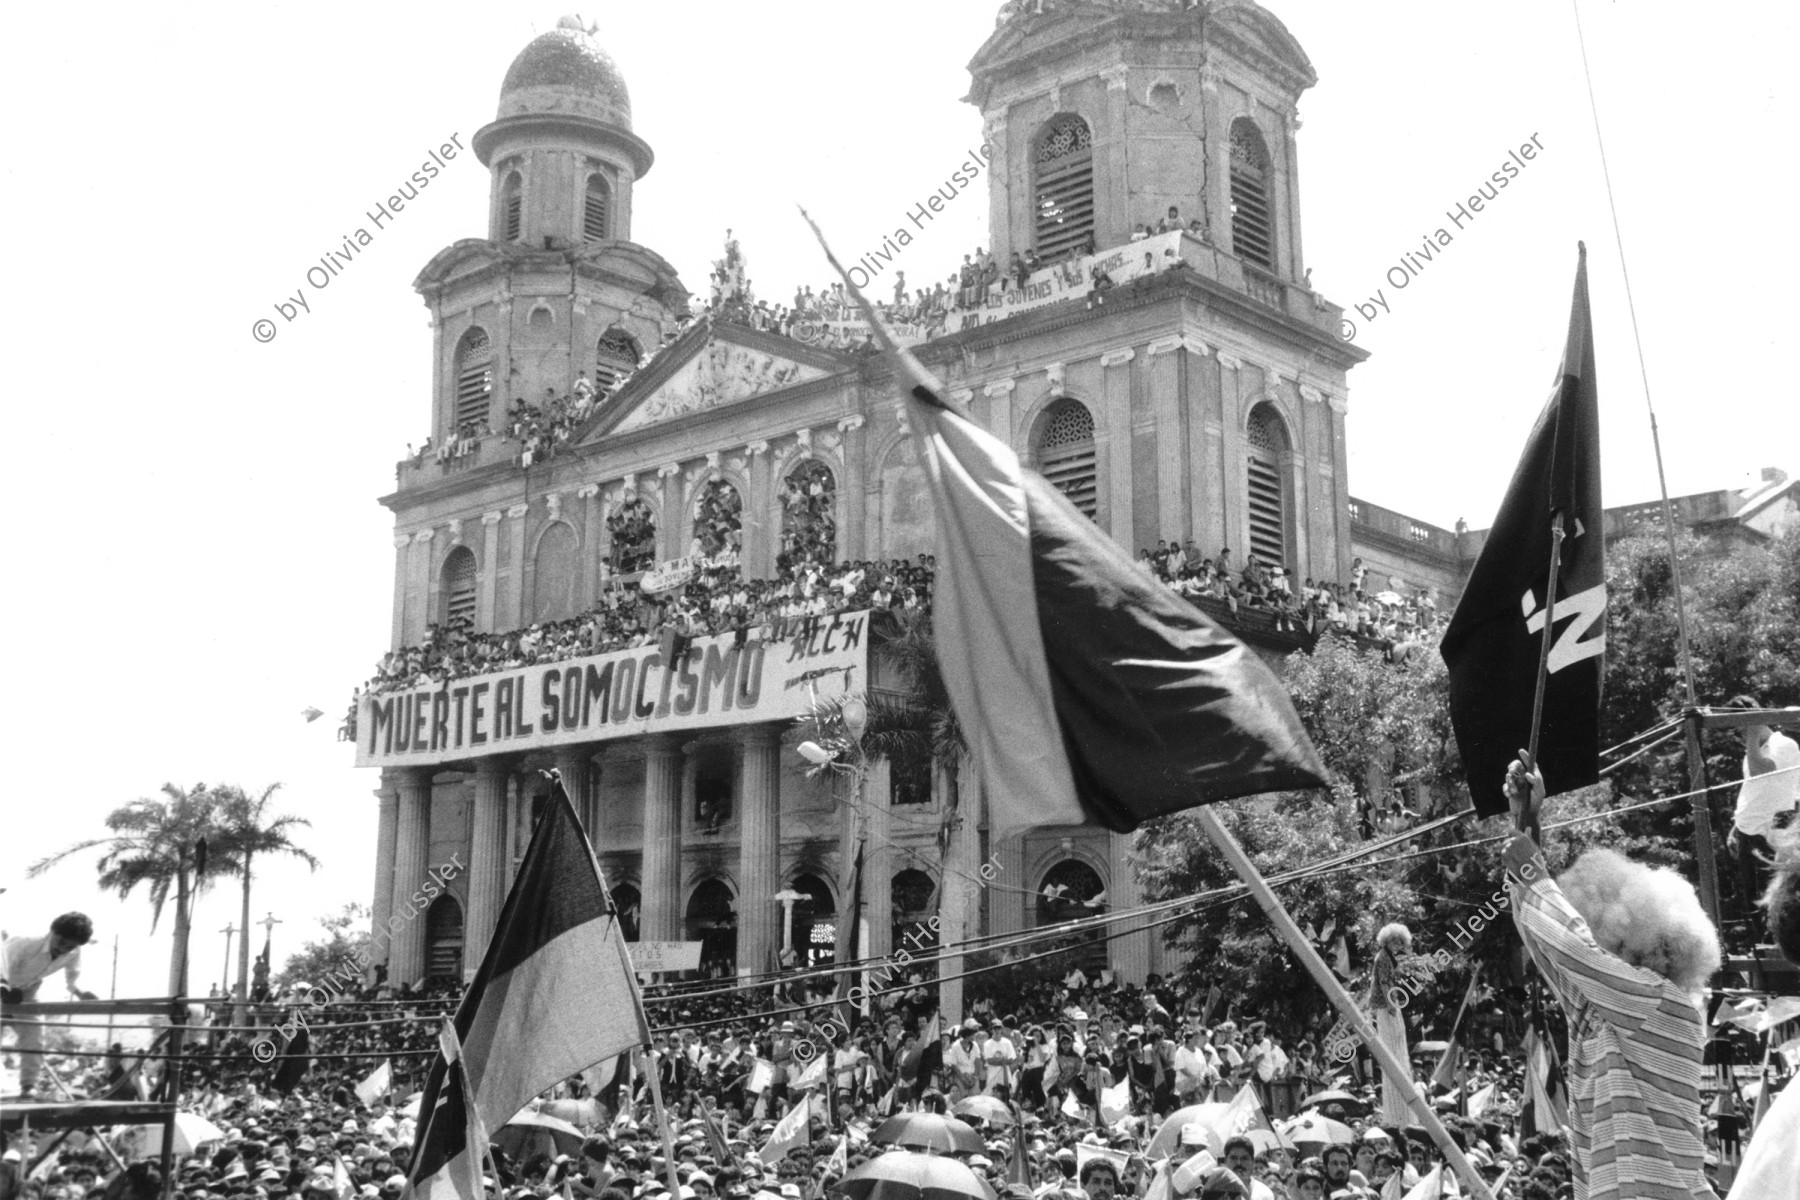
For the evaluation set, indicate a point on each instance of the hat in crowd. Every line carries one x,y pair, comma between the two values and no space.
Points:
394,1182
790,1191
1194,1134
270,1175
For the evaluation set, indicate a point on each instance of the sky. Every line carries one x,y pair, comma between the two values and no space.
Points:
198,551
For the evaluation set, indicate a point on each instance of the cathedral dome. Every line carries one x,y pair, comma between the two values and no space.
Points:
566,71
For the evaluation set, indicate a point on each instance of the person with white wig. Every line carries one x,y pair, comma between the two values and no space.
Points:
1627,949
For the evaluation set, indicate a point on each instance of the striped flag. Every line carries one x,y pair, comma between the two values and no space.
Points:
715,1132
1545,1105
793,1130
554,995
1089,693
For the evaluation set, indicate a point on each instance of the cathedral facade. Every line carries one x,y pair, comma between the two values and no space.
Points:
1202,398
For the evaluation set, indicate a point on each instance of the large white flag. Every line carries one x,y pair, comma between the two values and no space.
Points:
795,1129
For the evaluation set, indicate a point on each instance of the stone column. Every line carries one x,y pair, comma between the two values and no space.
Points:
759,849
876,817
490,571
575,765
661,886
412,843
1234,478
402,578
419,613
386,832
1006,899
1173,506
1131,953
512,614
851,489
488,855
590,546
762,545
1114,459
959,885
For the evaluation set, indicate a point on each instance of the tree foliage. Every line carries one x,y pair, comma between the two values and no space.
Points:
346,942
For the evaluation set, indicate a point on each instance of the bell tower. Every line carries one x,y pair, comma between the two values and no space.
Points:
1104,116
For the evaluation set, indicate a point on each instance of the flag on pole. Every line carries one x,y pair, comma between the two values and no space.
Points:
762,1075
1115,1101
1446,1075
1089,693
1431,1187
1018,1167
340,1179
377,1085
1545,1107
715,1133
1493,642
448,1105
1479,1102
795,1129
810,1076
555,995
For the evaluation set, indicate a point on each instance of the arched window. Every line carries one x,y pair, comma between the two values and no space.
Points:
444,939
815,922
474,378
712,922
1252,210
456,589
809,514
1065,453
1266,437
594,209
512,208
616,357
1071,891
627,903
718,519
915,898
1063,186
633,529
554,574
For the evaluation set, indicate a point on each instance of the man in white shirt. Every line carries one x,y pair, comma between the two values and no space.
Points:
963,1062
28,962
1001,1054
1194,1074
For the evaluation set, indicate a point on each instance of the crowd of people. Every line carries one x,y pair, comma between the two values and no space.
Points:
1090,1067
1396,621
716,599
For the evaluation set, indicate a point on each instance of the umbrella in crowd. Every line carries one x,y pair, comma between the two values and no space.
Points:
531,1133
1336,1103
191,1131
985,1108
929,1131
1312,1129
1168,1134
908,1175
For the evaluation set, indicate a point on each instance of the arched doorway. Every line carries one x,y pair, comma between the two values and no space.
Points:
915,903
627,903
815,922
444,940
1072,891
712,921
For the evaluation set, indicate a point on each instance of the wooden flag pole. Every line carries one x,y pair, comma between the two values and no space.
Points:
1303,950
1543,670
662,1121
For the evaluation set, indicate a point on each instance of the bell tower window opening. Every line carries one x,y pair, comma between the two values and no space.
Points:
458,592
1252,213
1063,187
1065,454
1267,500
595,209
616,357
512,208
474,379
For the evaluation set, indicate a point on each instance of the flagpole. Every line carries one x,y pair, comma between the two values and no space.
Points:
1303,950
1543,669
662,1120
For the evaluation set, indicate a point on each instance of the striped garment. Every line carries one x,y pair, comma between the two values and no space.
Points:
1635,1047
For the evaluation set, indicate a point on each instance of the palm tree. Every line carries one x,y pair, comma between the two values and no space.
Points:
247,832
163,843
916,724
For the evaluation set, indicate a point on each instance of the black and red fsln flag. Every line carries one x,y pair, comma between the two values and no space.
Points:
1494,640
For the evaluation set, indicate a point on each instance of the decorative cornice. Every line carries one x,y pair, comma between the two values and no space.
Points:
628,485
1196,345
1000,387
960,395
668,469
1163,346
804,438
1339,405
854,421
587,491
1054,373
402,540
1311,394
712,460
1115,77
454,525
1114,358
757,447
554,502
424,535
491,518
518,510
1230,362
